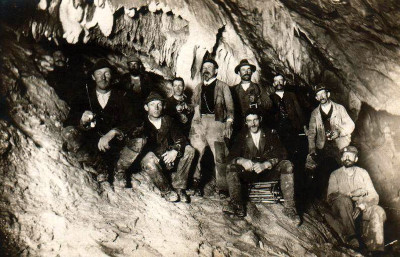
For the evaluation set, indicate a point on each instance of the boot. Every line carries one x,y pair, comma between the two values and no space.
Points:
171,196
287,186
119,179
197,187
234,209
183,196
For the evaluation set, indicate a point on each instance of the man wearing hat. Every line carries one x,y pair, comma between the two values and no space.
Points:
212,121
248,94
167,152
258,155
330,125
100,122
352,195
286,116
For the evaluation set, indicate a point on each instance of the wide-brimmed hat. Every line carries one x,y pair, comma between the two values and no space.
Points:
154,96
211,61
100,64
242,63
349,149
320,87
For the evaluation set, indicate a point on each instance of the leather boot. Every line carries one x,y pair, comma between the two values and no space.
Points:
287,187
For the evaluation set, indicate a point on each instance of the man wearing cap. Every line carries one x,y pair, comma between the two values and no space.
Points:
286,116
178,105
330,126
258,155
351,194
248,94
101,123
167,151
212,121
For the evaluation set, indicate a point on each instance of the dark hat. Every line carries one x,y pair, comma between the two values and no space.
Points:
242,63
134,59
100,64
212,61
253,111
154,96
320,87
350,148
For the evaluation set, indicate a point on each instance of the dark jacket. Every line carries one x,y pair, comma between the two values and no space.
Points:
242,100
168,137
271,149
184,118
117,114
222,98
295,113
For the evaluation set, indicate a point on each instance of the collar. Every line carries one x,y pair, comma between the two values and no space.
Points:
245,85
206,83
326,108
156,123
103,94
183,97
280,93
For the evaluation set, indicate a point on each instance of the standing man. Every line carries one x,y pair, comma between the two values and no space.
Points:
212,121
258,155
167,151
100,123
286,116
178,105
350,194
248,94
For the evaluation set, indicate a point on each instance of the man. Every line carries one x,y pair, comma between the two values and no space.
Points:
212,121
178,105
350,194
258,155
247,94
330,126
286,116
166,151
100,123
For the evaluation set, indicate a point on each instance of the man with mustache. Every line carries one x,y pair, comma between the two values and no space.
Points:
167,151
100,124
286,116
351,194
212,121
247,94
258,155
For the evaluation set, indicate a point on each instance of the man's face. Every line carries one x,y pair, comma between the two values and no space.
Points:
208,71
349,159
102,77
178,88
134,68
154,108
245,73
279,82
253,123
59,59
322,96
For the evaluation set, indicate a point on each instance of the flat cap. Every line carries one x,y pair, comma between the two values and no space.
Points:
153,96
320,87
349,149
100,64
133,59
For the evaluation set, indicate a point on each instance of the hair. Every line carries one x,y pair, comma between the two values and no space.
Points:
253,111
179,79
279,74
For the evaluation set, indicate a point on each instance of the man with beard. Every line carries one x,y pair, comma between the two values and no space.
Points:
351,194
212,121
167,151
247,94
178,105
100,126
286,116
258,155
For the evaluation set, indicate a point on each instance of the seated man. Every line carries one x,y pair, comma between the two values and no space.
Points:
100,124
258,155
178,105
351,193
166,150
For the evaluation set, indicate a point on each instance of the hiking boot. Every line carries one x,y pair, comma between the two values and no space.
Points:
183,196
234,209
119,180
222,195
291,213
171,196
352,241
197,188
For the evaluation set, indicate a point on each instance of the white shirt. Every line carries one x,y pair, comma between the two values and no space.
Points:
245,85
156,123
280,93
210,81
256,138
326,108
103,98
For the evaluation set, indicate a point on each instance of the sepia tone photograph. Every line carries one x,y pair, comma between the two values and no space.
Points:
210,128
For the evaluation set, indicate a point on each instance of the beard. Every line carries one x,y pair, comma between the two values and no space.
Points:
348,163
246,77
134,72
206,75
